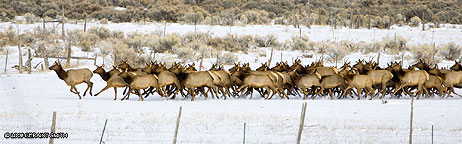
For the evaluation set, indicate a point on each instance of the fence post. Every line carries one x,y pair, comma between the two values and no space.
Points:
336,56
432,134
402,59
102,135
410,122
302,121
53,124
177,125
243,140
6,60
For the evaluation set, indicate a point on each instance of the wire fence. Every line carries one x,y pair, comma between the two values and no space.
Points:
257,133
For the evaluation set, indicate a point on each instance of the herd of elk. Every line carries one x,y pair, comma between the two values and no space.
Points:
420,79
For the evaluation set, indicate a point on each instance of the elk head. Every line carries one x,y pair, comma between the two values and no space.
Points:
99,69
56,66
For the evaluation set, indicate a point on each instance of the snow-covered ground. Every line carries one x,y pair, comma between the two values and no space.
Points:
414,35
29,100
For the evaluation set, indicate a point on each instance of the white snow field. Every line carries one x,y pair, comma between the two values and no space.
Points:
28,100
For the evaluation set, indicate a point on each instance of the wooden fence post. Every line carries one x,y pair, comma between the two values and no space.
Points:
177,125
243,140
29,65
6,60
53,125
432,134
102,135
271,56
302,121
410,122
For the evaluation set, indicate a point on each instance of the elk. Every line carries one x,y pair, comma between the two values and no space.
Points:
355,80
379,77
112,79
435,81
306,81
195,79
256,80
225,79
138,82
166,78
74,77
410,78
125,66
333,81
450,79
283,70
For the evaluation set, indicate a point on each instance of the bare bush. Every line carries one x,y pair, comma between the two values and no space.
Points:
424,52
88,41
136,43
103,21
394,46
415,21
349,46
234,43
168,42
450,51
335,53
367,48
255,17
302,44
185,53
228,58
103,48
30,18
101,32
195,36
120,51
118,34
322,47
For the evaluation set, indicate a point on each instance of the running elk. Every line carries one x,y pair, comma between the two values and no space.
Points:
112,79
74,77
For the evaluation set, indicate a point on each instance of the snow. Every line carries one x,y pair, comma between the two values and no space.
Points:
120,8
414,35
29,100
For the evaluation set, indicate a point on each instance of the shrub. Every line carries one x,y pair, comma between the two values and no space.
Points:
234,43
424,52
254,17
373,47
267,41
335,52
120,51
136,43
195,36
349,46
228,58
30,18
302,44
101,32
185,53
168,42
415,21
450,51
103,21
118,34
87,41
322,47
392,46
104,48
